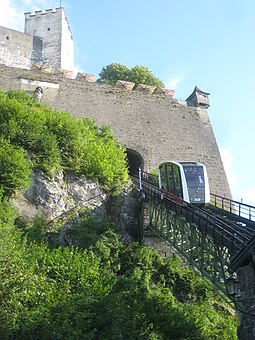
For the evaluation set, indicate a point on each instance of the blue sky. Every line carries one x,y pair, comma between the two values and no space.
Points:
184,43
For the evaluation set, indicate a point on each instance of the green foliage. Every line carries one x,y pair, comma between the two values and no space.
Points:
132,310
142,75
113,72
48,294
7,215
47,156
35,231
87,231
101,156
20,119
56,140
14,169
137,74
109,291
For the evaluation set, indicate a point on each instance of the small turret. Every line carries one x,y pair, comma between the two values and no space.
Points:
199,99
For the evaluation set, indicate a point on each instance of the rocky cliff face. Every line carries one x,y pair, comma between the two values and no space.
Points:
54,197
63,197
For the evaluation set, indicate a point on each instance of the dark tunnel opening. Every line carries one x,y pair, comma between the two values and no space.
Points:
134,160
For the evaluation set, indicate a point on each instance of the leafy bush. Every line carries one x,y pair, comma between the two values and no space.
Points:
56,140
108,291
47,156
87,231
21,120
103,158
14,169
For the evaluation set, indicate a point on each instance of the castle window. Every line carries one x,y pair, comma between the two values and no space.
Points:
48,28
7,38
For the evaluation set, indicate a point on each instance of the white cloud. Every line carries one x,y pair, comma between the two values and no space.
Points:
173,82
175,79
237,185
227,159
248,196
11,15
12,11
77,68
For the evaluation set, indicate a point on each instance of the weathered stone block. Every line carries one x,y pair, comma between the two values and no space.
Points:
145,88
164,92
125,85
86,76
65,73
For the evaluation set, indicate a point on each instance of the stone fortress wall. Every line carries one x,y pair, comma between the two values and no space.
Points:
156,128
47,39
16,48
150,124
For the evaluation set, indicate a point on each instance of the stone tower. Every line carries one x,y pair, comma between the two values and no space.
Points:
53,27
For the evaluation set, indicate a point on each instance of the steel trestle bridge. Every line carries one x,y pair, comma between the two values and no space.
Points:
208,238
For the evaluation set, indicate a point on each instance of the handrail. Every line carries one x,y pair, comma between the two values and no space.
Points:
234,207
203,237
244,211
222,232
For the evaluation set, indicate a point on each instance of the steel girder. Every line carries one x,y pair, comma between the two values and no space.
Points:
196,246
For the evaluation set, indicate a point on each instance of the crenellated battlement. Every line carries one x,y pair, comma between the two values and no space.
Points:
46,12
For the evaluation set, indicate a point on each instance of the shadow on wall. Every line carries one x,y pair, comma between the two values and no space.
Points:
134,160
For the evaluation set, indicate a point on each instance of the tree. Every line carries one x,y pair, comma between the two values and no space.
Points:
113,72
137,74
142,75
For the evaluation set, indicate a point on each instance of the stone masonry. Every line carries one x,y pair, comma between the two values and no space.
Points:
47,40
157,128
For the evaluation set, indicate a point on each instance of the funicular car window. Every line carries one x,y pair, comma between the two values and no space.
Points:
177,181
163,177
194,176
170,178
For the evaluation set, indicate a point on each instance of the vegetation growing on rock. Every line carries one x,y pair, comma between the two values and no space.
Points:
100,289
53,141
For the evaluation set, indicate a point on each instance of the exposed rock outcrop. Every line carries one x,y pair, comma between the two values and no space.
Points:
54,197
61,199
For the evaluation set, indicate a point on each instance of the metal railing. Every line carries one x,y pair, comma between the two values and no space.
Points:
237,208
205,241
222,232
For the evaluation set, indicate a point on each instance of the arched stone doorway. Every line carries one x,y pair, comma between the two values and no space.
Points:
134,160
